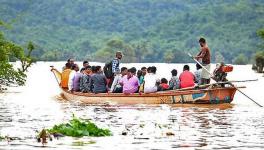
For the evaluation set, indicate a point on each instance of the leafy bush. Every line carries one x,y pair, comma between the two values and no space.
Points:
78,128
259,58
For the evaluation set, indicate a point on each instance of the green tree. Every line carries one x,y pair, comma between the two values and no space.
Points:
259,58
115,44
11,51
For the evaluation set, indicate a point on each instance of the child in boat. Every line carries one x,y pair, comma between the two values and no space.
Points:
163,85
174,81
197,74
98,81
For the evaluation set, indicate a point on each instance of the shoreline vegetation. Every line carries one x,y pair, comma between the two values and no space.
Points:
10,52
146,31
258,65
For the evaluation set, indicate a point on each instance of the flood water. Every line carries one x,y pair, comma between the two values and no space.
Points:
239,125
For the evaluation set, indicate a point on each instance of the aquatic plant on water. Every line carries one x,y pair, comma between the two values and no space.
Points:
1,138
78,128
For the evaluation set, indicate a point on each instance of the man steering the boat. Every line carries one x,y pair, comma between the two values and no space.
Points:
205,56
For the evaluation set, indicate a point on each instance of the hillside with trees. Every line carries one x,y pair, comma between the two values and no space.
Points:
145,30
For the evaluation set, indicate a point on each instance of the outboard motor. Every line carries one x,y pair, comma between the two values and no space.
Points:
221,71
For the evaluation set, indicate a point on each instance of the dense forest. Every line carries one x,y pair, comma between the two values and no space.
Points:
145,30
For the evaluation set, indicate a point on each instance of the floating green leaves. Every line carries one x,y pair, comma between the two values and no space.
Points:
78,128
1,138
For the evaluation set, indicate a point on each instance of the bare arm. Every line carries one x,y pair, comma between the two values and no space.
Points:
201,54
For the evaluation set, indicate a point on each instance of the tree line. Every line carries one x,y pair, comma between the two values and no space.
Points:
147,31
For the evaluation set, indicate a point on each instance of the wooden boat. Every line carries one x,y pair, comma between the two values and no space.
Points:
211,95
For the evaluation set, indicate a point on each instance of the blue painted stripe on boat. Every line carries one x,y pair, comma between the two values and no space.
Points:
197,95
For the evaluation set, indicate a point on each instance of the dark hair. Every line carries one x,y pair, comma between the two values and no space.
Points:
97,68
88,67
123,69
133,70
93,69
174,72
143,68
164,80
202,40
198,66
68,65
153,69
82,69
186,67
74,66
149,69
69,60
85,62
139,73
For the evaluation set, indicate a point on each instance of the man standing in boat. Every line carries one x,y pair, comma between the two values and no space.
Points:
205,56
112,69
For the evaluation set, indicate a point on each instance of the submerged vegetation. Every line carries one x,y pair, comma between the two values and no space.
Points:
78,128
1,138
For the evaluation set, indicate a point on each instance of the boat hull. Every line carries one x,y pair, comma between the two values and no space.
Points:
207,96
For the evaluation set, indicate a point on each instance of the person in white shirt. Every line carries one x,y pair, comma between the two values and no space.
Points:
151,81
197,74
75,69
116,87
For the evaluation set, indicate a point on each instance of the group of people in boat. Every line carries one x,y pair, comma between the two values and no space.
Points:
112,78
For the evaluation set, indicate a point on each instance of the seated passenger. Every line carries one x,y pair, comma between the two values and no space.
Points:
116,87
143,73
85,64
186,78
74,79
98,81
163,85
197,74
141,79
139,74
85,81
70,61
151,81
130,82
174,81
65,76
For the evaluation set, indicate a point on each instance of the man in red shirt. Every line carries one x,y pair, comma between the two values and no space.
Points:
186,78
205,56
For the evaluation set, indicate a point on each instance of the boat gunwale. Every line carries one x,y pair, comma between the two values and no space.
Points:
157,94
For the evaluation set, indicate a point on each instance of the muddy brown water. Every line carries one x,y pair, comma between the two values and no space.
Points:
238,125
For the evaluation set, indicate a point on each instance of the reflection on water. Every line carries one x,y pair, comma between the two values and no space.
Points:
24,110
